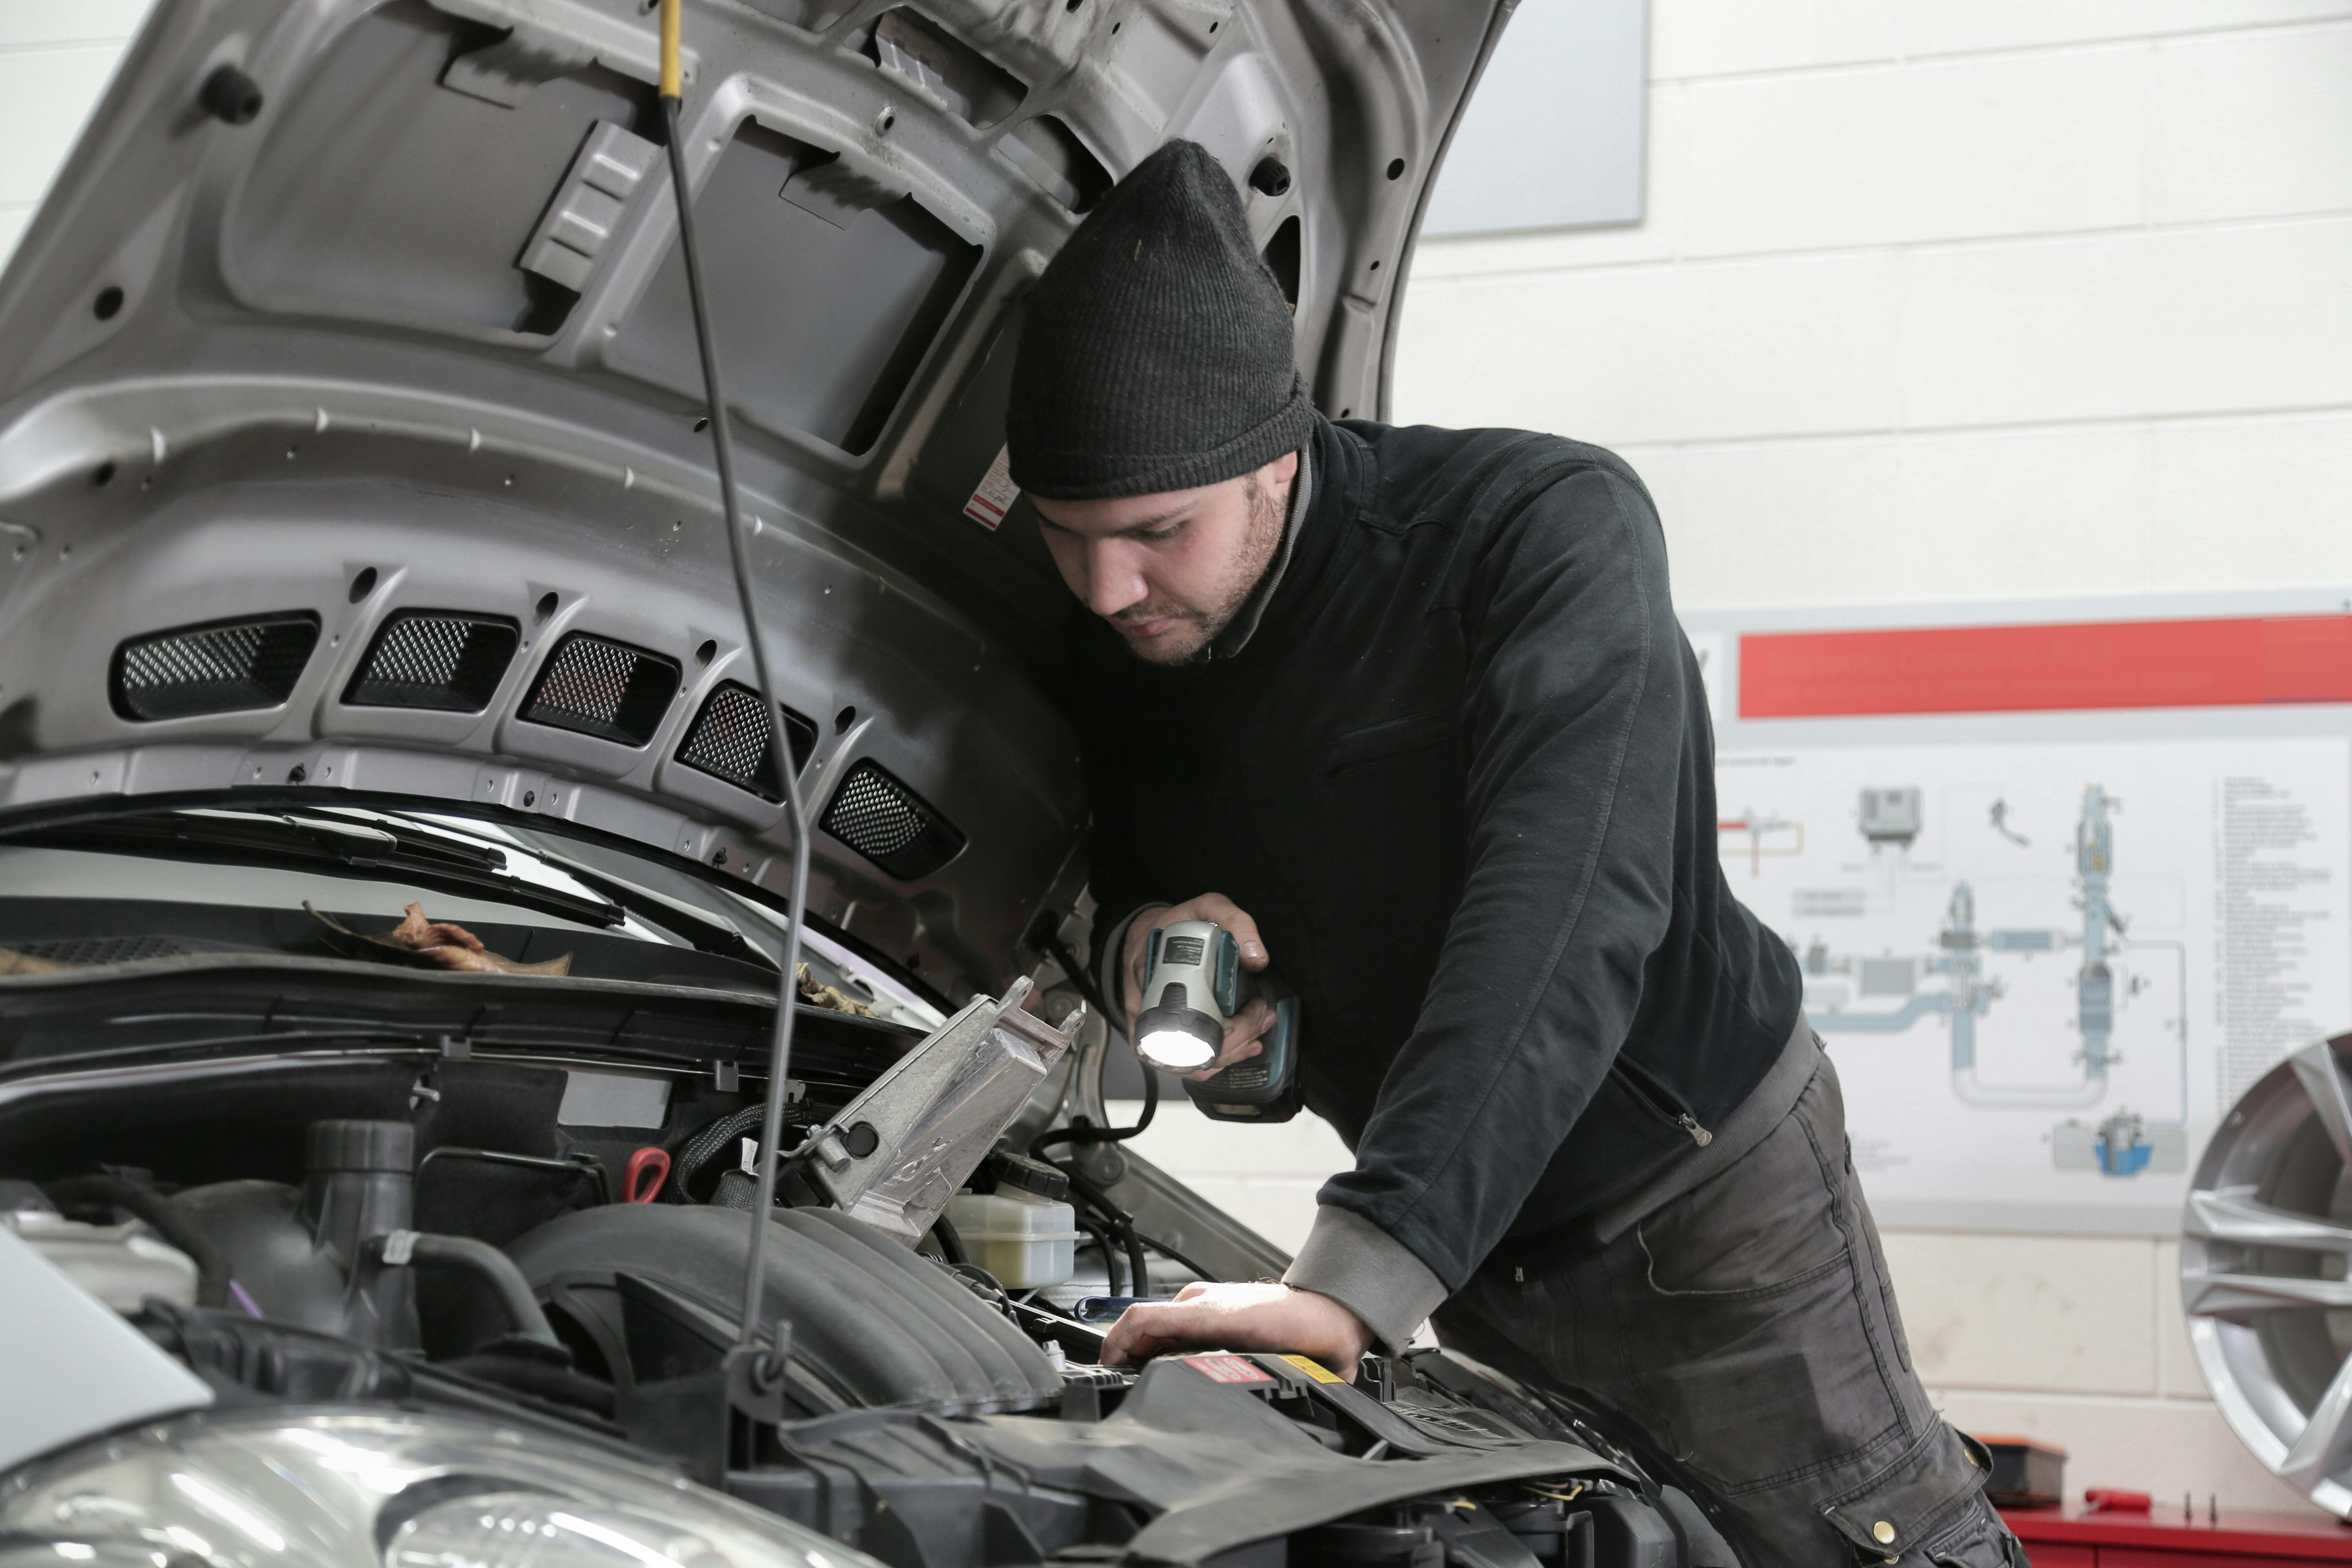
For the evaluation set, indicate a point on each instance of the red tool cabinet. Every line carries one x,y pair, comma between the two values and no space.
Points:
2166,1538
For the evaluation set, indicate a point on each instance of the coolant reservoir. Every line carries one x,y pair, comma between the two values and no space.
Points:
1024,1238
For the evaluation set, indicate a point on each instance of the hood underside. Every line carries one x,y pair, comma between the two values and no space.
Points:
358,442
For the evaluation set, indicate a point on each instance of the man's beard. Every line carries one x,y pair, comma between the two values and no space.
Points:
1197,628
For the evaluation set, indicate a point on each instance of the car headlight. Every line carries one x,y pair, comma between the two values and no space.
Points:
367,1490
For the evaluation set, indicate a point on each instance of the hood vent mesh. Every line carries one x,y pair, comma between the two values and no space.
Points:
608,690
732,738
219,667
889,824
79,950
443,659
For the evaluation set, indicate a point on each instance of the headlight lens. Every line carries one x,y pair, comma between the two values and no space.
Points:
388,1490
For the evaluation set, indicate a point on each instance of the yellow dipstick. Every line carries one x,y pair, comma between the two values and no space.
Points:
673,80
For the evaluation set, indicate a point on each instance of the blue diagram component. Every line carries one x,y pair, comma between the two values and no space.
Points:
2124,1144
2123,1159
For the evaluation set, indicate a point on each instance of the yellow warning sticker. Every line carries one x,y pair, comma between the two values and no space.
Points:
1314,1369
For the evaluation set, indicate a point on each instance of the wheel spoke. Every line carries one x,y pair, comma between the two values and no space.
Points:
2225,1217
2323,1083
2319,1452
2235,1295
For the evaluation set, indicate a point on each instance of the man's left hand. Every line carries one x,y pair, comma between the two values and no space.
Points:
1265,1317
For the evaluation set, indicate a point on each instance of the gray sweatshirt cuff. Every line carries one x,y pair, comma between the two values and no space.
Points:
1370,1272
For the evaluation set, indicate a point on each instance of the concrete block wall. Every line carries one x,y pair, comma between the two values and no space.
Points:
1934,301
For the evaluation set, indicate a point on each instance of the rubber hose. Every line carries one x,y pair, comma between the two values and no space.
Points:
484,1262
1174,1256
943,1231
1112,1283
1060,952
1141,1285
1118,1223
145,1203
1079,1133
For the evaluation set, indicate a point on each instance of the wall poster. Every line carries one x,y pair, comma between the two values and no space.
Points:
2060,888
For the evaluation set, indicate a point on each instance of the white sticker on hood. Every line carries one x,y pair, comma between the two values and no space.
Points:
996,494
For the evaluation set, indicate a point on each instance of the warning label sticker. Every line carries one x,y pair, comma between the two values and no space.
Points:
996,494
1228,1369
1314,1369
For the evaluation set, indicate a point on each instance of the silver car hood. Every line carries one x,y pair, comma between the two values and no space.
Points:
413,339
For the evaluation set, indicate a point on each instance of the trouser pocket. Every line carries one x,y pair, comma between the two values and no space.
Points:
1926,1507
1748,1329
1977,1539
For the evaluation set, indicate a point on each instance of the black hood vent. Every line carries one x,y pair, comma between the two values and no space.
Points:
732,738
444,659
216,666
605,689
890,825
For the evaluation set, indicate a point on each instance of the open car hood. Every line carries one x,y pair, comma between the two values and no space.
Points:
356,443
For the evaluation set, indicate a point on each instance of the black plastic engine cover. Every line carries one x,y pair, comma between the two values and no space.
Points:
872,1324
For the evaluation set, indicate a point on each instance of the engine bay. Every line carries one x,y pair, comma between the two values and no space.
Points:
421,1214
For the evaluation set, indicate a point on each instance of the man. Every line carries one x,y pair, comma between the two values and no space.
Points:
1408,712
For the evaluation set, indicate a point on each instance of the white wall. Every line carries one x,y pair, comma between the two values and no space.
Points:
1945,300
55,59
1935,300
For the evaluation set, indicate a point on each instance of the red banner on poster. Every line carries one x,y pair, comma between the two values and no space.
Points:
2233,663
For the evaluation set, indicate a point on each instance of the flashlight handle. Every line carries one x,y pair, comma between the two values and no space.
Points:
1263,1089
1195,951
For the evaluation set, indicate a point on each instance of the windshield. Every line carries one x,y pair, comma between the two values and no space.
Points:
376,885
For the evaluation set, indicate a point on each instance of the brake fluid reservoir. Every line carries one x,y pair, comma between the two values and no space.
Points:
1025,1240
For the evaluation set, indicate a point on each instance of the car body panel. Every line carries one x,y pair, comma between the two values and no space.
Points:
326,362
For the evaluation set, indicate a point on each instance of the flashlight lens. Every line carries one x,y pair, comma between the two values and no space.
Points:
1175,1050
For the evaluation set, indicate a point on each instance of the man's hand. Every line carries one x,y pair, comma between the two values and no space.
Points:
1242,1317
1242,1030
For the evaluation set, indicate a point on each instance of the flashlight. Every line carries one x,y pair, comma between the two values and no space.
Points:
1191,980
1193,983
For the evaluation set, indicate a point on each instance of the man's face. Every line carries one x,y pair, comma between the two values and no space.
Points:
1169,571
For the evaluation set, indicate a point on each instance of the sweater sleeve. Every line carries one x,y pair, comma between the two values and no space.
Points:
1575,713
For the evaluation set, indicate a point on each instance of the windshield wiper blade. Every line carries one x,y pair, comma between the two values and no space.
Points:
706,934
294,842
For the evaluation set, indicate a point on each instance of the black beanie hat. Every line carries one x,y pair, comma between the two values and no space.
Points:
1157,353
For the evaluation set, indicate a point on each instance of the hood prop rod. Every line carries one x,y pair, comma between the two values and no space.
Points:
739,553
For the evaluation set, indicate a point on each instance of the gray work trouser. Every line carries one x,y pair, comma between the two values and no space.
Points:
1747,1330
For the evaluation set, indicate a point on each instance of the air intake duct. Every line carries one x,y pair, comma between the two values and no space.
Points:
878,815
597,686
732,738
444,659
215,667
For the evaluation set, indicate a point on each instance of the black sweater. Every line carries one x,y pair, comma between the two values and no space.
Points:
1462,777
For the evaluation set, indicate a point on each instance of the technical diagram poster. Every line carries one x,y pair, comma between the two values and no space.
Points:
2045,969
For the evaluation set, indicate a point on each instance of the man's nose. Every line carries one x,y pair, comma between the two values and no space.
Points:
1113,583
